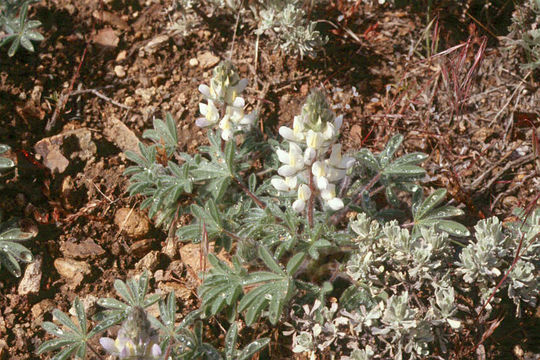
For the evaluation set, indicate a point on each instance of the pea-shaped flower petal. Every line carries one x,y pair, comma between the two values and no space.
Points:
304,194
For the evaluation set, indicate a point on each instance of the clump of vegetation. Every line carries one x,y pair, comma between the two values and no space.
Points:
525,30
17,28
285,23
11,251
403,280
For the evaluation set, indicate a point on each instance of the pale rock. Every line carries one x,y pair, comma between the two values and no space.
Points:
135,223
119,71
122,55
122,136
207,60
72,270
57,151
31,280
149,262
193,62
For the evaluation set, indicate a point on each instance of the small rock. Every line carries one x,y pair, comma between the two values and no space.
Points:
149,262
155,43
181,291
107,38
159,275
193,62
119,71
3,348
81,250
42,307
133,222
171,248
141,247
122,55
31,280
207,60
58,150
482,134
356,133
119,134
510,202
72,270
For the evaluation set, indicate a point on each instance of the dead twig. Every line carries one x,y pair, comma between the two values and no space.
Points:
512,164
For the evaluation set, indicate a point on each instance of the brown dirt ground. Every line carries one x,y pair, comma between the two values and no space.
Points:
478,152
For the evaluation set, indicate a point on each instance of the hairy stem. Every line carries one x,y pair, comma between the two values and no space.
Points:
250,194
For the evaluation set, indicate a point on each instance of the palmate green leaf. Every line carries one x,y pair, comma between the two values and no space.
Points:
272,294
133,292
414,158
275,291
230,342
5,163
269,260
231,353
451,227
393,144
11,252
73,338
164,134
404,171
10,263
429,203
427,214
367,159
252,348
222,285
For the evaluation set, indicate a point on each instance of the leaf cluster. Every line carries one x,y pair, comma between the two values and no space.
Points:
18,29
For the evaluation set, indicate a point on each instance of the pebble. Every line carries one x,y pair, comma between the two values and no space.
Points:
122,55
149,262
119,71
133,222
31,280
71,269
207,60
81,250
193,62
57,151
122,136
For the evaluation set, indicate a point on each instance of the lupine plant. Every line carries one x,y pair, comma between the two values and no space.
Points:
11,250
17,29
284,22
287,209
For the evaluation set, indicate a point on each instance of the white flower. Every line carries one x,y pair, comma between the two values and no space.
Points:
210,113
330,199
227,128
293,160
337,165
314,140
318,169
296,134
223,92
304,193
287,184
